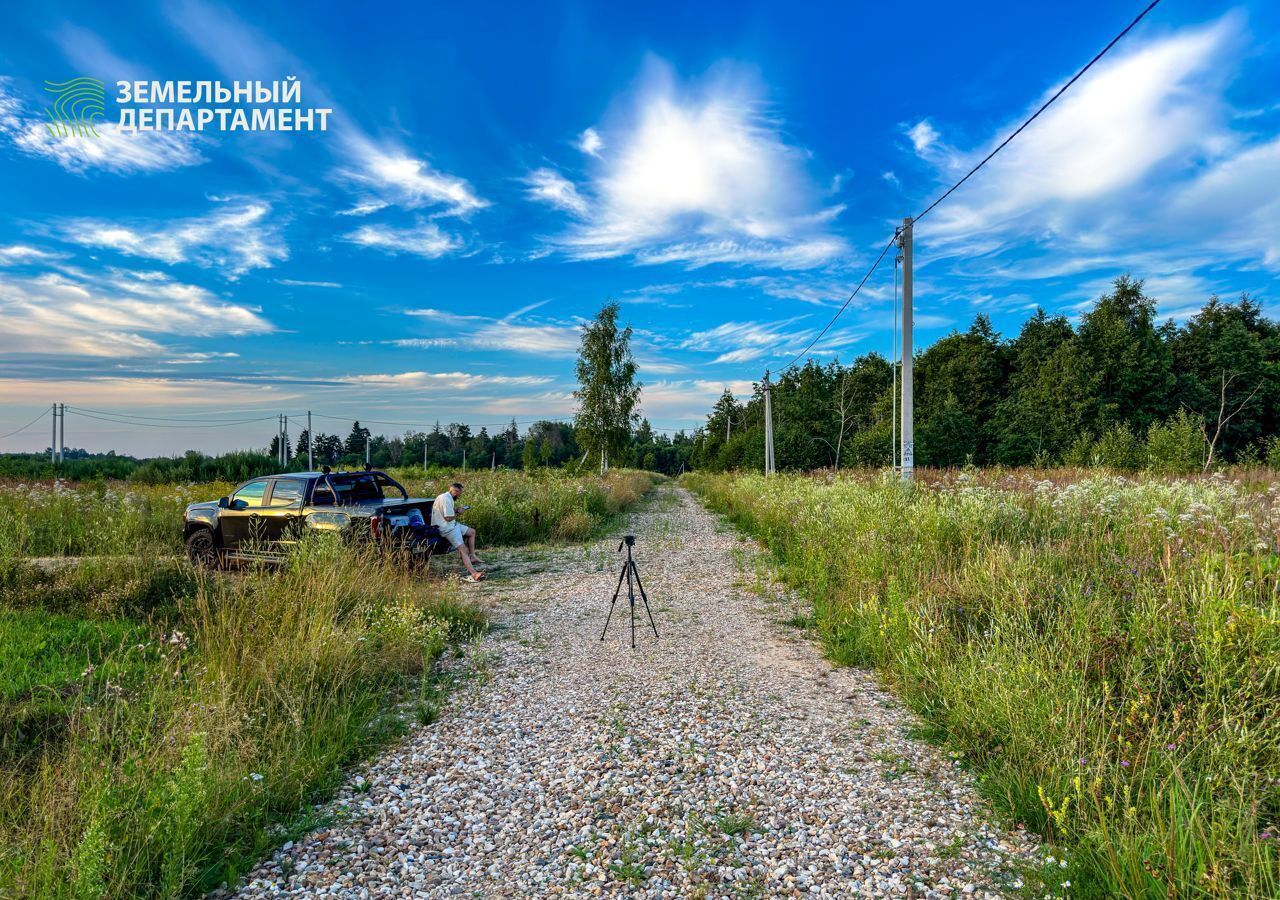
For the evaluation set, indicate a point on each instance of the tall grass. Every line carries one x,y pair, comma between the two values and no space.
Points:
1105,653
116,519
183,745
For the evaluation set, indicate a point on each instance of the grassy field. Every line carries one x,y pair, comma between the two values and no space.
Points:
116,518
161,728
1104,652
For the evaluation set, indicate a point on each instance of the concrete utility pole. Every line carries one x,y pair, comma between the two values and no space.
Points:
53,439
464,459
62,435
366,451
768,426
893,363
908,411
284,444
311,461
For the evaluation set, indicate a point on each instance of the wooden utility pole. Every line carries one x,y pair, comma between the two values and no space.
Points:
908,417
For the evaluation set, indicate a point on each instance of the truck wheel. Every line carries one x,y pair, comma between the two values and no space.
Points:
202,550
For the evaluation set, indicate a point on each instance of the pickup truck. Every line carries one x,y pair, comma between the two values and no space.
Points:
265,517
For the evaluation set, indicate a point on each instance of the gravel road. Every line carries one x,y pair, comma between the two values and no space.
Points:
725,759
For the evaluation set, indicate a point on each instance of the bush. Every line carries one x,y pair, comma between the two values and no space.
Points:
1176,446
1120,449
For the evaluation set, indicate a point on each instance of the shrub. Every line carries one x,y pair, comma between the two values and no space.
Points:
1176,446
1119,448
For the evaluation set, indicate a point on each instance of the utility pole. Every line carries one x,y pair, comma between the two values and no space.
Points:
768,426
62,435
366,450
464,459
284,444
53,439
493,462
908,410
311,438
893,363
424,451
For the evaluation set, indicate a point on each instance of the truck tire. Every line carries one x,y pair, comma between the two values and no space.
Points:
202,549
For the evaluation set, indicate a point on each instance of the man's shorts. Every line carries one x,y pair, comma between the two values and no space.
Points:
454,532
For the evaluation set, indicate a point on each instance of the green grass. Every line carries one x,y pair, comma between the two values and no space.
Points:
1104,653
120,519
160,753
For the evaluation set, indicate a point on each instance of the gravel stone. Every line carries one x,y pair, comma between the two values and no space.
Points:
725,759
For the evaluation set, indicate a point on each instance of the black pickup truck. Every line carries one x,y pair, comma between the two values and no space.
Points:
264,517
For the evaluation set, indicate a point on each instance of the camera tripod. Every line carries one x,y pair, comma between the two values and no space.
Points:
630,571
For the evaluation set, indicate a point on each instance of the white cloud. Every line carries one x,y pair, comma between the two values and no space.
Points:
196,358
20,254
516,332
452,381
293,282
697,176
114,150
677,401
118,313
235,237
923,136
1239,196
551,187
1156,107
740,342
423,239
389,176
590,142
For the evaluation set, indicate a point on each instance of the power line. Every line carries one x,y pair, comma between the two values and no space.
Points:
949,191
106,412
165,424
1062,90
875,265
25,427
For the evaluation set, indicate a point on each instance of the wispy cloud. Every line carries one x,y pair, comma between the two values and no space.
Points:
386,175
516,332
116,313
550,186
452,381
423,239
1157,107
294,282
741,342
590,142
695,175
236,237
21,254
114,150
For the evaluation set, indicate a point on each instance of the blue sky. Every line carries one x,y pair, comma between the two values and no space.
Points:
493,173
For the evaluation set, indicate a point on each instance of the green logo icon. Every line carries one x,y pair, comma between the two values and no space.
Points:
79,102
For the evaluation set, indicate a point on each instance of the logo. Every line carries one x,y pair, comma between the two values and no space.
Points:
79,102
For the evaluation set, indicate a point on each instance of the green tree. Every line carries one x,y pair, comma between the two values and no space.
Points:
608,392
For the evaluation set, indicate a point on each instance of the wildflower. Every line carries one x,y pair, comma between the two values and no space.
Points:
1170,746
252,776
1084,760
1124,763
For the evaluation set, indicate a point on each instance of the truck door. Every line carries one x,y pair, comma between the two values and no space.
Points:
240,521
282,514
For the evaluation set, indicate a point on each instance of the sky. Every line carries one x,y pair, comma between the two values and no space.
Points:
492,174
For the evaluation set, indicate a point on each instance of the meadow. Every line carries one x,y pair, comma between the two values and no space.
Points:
1103,651
162,727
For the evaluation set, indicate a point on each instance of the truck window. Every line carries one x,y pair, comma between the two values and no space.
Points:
355,488
287,491
249,496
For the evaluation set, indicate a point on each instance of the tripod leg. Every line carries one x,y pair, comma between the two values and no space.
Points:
631,594
645,598
616,591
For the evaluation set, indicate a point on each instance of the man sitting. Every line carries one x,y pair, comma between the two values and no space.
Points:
444,516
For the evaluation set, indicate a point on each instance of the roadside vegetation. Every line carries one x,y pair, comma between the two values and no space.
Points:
111,518
162,727
1103,651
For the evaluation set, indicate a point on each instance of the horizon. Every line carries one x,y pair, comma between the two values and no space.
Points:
488,181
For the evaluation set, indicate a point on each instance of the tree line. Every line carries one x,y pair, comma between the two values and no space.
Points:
1121,388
